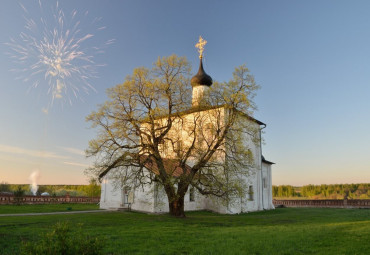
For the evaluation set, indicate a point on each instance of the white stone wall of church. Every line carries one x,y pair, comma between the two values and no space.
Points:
161,202
249,143
196,205
269,173
215,204
183,134
249,203
258,190
111,197
252,179
143,199
267,191
147,200
198,94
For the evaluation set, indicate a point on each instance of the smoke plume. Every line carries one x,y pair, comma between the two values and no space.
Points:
34,177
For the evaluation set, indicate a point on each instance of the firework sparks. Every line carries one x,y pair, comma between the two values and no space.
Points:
54,52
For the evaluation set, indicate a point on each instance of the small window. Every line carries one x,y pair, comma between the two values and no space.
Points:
163,147
250,192
209,132
178,145
191,194
264,182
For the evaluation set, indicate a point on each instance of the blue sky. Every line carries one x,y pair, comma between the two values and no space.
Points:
311,58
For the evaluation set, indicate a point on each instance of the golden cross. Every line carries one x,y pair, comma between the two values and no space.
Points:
200,46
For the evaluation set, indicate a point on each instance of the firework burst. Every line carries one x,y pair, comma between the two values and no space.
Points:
55,53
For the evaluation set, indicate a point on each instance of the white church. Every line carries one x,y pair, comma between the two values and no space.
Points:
151,198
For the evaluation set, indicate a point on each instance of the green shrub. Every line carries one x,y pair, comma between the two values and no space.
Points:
18,195
62,240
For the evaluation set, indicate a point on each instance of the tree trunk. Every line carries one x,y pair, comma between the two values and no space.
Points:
176,206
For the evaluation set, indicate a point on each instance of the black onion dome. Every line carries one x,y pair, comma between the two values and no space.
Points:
201,78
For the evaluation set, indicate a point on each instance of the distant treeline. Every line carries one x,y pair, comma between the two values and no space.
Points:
324,191
90,190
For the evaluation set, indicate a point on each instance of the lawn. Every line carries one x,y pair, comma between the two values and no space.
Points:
280,231
6,209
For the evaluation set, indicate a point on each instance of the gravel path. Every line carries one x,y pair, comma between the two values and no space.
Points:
53,213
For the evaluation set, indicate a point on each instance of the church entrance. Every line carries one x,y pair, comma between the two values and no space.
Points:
125,198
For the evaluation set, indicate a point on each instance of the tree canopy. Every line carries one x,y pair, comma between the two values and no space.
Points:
323,191
149,123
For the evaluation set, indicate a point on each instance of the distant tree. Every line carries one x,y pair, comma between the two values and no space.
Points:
18,195
93,189
40,190
275,191
325,191
280,191
4,187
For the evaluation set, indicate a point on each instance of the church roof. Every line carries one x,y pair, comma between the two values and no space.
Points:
266,161
171,166
201,78
201,108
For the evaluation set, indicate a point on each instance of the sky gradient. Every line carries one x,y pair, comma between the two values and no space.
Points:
311,58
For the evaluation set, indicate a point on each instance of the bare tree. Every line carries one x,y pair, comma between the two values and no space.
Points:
149,132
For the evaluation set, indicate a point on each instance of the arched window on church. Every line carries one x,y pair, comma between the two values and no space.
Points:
251,193
264,182
209,132
178,146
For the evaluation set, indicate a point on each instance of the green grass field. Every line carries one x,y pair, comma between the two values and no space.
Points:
281,231
8,209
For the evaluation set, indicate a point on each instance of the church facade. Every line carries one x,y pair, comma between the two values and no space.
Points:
152,198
